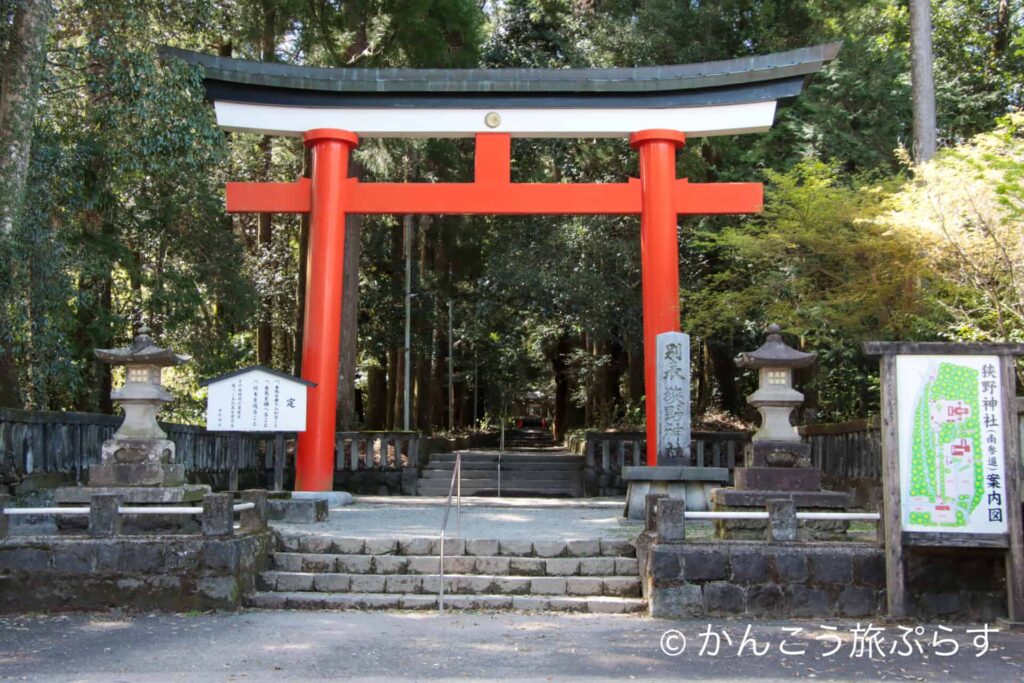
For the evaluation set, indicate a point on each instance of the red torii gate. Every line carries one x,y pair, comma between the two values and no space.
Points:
658,196
652,105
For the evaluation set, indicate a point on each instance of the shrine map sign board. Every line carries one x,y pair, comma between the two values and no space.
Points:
951,459
952,452
256,399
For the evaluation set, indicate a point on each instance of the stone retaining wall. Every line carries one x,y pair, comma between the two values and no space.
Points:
808,579
172,572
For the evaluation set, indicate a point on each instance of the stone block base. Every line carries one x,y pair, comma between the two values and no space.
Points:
170,572
777,479
757,501
297,511
692,484
699,579
138,474
133,495
126,450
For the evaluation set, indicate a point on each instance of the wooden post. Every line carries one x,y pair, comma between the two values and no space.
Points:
5,501
234,454
279,457
895,572
1011,451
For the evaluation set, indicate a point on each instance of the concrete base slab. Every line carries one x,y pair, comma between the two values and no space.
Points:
136,474
756,529
142,495
298,511
692,484
335,499
778,479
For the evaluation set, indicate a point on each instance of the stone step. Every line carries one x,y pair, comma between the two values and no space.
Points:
520,489
327,563
553,468
423,545
525,603
463,584
512,475
510,483
520,460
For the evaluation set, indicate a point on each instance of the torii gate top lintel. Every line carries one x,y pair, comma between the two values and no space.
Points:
657,107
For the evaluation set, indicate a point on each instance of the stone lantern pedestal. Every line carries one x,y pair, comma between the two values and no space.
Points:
137,463
777,463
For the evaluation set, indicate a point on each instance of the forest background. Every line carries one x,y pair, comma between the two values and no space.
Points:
117,216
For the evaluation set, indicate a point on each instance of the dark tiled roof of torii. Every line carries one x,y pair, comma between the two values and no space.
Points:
779,76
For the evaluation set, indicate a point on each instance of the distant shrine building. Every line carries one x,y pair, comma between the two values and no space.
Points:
655,108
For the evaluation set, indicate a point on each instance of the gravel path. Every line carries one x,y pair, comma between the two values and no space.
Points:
376,646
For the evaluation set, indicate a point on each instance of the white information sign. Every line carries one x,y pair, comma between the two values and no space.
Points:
256,401
952,474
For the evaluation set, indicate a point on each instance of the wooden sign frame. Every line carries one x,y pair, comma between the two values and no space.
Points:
895,537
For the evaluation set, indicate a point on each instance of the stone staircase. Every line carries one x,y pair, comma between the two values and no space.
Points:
531,466
325,572
555,474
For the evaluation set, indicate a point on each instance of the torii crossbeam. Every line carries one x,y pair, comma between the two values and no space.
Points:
655,106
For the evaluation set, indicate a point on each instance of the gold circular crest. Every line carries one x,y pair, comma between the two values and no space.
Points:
492,119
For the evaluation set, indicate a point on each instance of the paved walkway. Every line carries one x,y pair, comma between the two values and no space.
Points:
510,519
375,646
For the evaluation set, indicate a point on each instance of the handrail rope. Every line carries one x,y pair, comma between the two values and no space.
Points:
456,477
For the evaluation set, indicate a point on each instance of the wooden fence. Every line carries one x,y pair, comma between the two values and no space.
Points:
33,442
376,450
846,450
611,451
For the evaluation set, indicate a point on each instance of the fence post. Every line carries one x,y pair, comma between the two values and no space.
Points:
218,514
255,519
279,456
671,520
104,519
782,525
235,454
651,508
5,502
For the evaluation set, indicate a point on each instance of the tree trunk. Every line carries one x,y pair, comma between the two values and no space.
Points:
636,376
389,420
349,351
724,369
300,288
1001,35
376,396
560,367
19,88
264,237
922,80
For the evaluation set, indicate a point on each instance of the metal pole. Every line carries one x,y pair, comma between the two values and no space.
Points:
476,389
451,374
408,319
458,497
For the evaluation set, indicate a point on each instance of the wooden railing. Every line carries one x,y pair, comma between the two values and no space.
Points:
376,450
846,450
33,442
611,451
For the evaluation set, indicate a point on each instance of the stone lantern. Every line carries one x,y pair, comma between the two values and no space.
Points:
777,461
777,442
139,454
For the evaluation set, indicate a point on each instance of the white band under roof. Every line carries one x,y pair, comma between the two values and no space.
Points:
730,119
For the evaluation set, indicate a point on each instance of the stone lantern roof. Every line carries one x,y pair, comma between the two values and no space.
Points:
775,353
143,351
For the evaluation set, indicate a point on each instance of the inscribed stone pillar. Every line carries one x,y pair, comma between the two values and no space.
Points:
673,398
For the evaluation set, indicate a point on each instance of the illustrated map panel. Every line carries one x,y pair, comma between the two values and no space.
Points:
951,444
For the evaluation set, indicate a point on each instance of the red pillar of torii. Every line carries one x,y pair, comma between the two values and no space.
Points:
658,196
